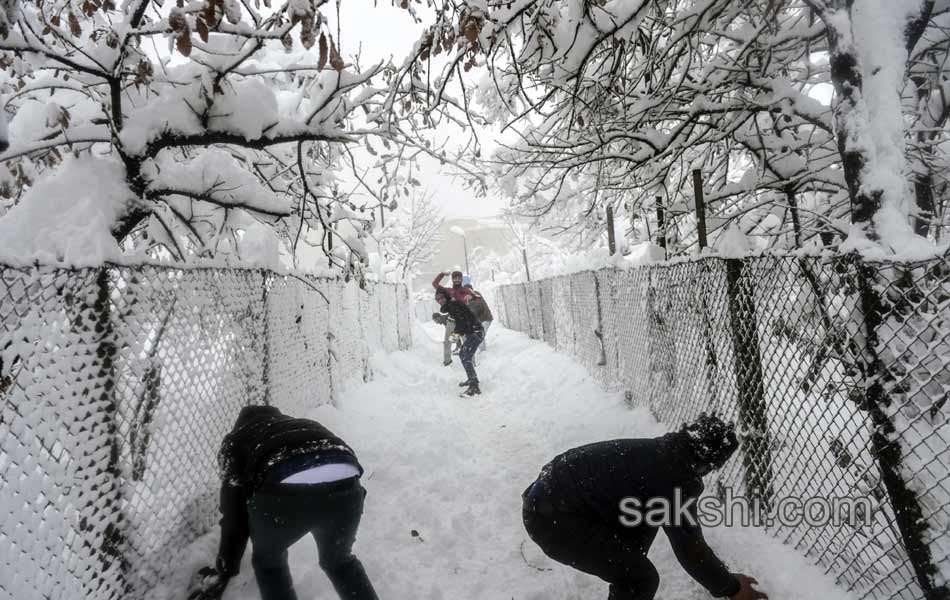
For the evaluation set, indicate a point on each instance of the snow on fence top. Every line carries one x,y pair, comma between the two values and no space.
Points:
836,370
117,385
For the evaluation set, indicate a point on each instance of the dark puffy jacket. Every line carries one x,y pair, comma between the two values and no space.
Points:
478,306
595,478
465,320
261,440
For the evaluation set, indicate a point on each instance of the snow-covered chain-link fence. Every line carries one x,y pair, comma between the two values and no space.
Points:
118,384
836,370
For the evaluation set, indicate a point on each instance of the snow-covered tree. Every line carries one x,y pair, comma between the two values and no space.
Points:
202,118
411,239
616,103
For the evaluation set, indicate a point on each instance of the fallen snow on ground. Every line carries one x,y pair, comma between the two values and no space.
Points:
453,470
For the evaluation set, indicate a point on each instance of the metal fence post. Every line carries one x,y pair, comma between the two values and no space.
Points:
747,363
266,282
527,309
908,514
700,208
599,330
611,242
660,224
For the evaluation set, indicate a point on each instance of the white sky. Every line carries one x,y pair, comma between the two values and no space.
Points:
389,31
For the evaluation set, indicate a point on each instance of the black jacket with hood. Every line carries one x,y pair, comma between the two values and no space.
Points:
466,322
595,478
263,438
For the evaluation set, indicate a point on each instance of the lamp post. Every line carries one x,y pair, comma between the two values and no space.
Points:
461,233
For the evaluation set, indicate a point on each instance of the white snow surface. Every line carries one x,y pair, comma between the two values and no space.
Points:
68,216
453,470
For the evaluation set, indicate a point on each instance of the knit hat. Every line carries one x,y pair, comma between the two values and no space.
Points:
712,440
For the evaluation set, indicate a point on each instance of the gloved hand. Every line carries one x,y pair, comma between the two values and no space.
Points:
208,584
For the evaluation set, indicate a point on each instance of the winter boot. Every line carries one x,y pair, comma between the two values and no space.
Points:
446,363
473,389
465,383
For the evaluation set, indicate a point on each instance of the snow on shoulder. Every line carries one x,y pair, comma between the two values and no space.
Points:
67,217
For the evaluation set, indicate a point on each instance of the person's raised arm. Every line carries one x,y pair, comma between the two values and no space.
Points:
437,282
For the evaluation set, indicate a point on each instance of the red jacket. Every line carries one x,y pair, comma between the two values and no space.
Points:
455,293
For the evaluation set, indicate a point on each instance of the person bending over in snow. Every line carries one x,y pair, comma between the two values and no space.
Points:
467,325
283,478
583,509
479,306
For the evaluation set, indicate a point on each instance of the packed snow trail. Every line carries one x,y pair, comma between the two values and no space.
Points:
452,470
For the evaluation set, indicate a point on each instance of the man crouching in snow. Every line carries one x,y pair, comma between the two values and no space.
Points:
283,478
574,510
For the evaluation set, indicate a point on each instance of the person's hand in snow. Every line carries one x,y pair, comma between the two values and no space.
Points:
746,591
208,584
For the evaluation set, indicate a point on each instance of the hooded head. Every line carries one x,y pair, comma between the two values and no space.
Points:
711,440
250,414
456,279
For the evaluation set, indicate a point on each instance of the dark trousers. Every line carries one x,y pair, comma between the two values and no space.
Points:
616,554
281,514
467,354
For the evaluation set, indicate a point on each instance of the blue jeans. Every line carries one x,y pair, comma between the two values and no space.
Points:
467,353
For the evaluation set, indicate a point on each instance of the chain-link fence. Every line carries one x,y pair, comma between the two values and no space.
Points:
836,370
117,385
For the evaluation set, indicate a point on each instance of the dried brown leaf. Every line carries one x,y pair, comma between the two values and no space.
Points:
202,28
472,27
177,21
183,43
209,12
74,27
307,33
336,61
322,59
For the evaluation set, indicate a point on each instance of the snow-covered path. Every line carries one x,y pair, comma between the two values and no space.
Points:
452,470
